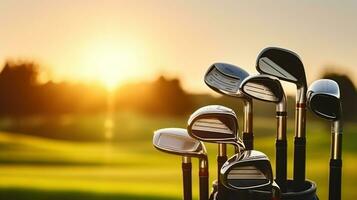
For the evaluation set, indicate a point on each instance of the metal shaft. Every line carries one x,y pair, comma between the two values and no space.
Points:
248,136
281,146
187,177
300,140
221,159
203,178
335,161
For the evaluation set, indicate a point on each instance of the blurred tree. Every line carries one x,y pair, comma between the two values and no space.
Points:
17,82
163,96
22,95
348,94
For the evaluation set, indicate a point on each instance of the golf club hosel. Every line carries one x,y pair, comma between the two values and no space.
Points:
186,159
203,165
300,120
222,150
248,136
336,140
301,93
281,125
281,116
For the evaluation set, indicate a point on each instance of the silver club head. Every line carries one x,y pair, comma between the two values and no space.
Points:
263,87
250,170
225,78
281,63
324,99
214,123
178,141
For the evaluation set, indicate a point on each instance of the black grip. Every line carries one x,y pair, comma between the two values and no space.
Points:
204,193
281,164
187,181
335,179
299,163
248,139
222,191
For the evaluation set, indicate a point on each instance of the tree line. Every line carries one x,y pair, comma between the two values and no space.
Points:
21,94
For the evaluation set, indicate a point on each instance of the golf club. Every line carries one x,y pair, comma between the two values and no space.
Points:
286,65
177,141
225,79
249,171
324,100
216,124
268,88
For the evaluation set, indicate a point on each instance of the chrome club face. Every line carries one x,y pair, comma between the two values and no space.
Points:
268,88
177,141
216,124
225,79
324,100
283,64
286,65
251,170
263,87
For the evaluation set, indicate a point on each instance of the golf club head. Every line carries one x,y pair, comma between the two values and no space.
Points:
225,78
324,99
214,123
250,170
283,64
263,87
177,141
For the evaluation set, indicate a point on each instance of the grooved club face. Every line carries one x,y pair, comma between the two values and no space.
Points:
225,78
251,170
177,141
324,99
213,123
281,63
263,87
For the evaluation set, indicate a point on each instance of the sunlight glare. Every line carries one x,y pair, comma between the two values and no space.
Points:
111,63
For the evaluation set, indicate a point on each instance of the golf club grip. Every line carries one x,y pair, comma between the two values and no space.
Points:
299,162
335,179
203,182
281,164
248,139
187,180
222,191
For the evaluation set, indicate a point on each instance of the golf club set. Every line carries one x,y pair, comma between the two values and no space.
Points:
248,173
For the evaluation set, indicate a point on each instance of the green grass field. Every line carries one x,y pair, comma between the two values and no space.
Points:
39,168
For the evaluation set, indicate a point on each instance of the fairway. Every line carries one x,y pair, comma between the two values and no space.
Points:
39,168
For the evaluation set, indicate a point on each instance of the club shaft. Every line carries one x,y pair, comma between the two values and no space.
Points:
335,162
300,146
248,136
221,159
281,151
187,178
203,179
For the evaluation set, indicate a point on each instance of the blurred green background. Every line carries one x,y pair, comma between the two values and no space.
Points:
38,168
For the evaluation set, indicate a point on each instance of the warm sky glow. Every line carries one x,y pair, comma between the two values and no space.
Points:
111,62
114,41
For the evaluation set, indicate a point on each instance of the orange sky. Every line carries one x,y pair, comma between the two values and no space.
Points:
115,41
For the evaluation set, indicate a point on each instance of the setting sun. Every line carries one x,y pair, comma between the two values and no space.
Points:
111,62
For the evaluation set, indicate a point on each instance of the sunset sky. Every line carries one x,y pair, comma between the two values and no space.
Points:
116,41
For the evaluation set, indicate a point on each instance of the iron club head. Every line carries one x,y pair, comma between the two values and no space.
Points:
250,170
215,124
